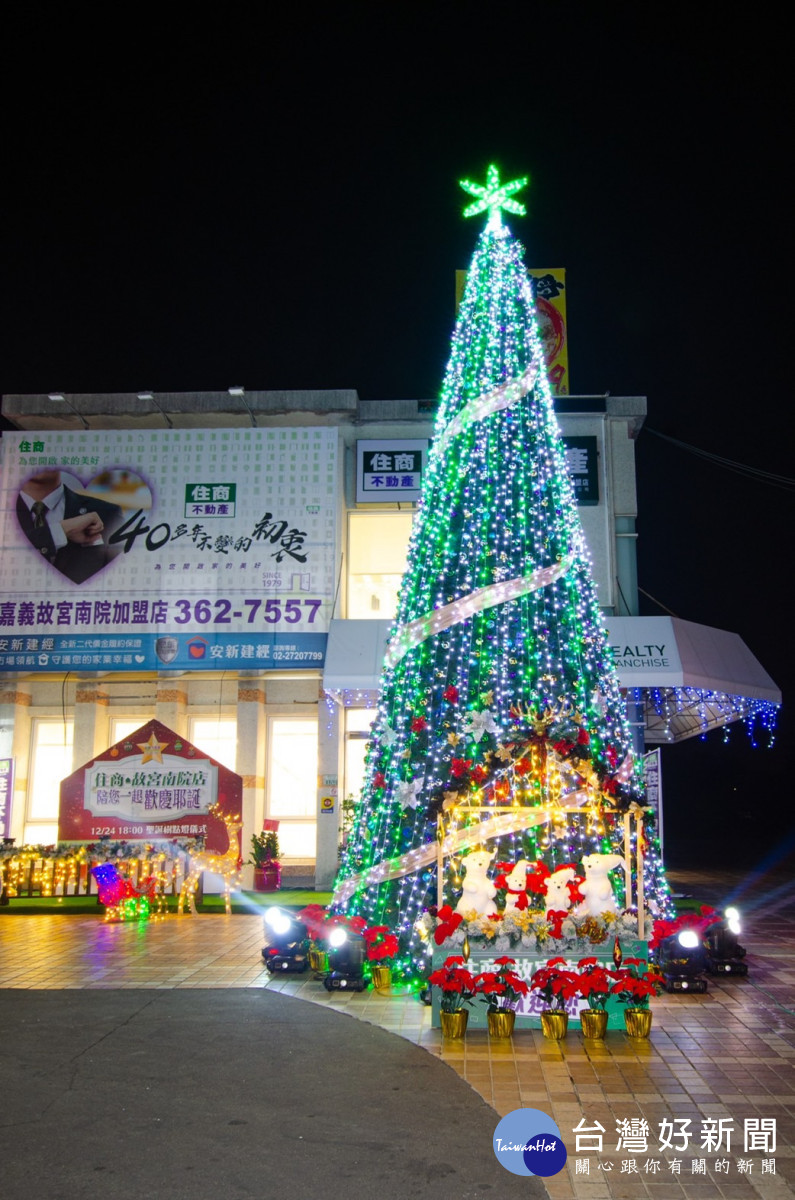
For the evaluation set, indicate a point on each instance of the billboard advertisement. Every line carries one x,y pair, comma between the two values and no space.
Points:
147,549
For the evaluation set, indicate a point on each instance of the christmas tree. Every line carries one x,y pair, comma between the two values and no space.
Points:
499,714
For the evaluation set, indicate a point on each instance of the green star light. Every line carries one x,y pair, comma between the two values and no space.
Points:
494,196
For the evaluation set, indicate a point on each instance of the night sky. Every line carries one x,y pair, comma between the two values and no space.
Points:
196,207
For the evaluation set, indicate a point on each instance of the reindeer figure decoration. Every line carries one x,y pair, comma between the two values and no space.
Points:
227,864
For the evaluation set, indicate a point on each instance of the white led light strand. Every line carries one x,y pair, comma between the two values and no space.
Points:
411,635
504,396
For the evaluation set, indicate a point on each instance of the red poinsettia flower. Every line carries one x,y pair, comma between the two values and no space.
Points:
451,694
501,988
635,983
456,983
611,755
537,879
448,923
523,766
479,773
381,943
595,982
418,724
379,779
563,747
583,737
555,983
460,766
314,916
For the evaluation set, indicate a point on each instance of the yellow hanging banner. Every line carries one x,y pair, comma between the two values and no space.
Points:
549,288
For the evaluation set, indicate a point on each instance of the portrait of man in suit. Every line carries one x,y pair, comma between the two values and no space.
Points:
67,527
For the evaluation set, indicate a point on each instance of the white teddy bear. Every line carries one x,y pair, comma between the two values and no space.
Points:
558,895
479,890
517,883
596,887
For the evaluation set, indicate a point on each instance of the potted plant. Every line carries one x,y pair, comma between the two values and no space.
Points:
593,984
315,917
457,986
265,858
555,984
635,984
501,989
382,945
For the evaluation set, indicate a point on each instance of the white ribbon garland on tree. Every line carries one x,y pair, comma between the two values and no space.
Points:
415,632
484,405
421,856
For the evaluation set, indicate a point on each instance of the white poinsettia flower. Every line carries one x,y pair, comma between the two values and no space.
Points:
407,792
388,735
478,723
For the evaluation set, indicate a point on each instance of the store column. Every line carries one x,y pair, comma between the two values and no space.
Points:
171,705
250,756
15,735
91,727
329,759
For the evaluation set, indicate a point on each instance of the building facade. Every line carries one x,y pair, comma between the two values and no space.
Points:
230,567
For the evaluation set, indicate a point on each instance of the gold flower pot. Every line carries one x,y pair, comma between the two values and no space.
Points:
454,1024
318,960
554,1024
382,978
594,1022
637,1022
501,1023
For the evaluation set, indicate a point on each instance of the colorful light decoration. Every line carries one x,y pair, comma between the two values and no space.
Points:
227,865
499,712
123,900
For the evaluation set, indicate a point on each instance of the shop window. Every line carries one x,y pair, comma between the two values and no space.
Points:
217,737
122,727
292,784
377,547
50,762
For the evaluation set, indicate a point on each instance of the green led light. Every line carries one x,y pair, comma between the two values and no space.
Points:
494,196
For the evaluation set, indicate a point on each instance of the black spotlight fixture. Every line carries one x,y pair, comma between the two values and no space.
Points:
682,961
346,954
286,942
724,953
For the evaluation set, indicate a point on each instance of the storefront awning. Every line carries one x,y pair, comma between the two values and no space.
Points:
685,678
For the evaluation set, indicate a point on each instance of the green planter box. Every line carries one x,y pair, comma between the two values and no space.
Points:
528,1010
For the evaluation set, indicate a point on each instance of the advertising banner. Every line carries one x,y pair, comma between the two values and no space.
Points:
549,289
153,784
139,550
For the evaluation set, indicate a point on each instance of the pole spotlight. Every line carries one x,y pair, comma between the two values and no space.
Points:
286,942
682,961
346,953
724,953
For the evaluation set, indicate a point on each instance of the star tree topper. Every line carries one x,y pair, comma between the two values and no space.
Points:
494,196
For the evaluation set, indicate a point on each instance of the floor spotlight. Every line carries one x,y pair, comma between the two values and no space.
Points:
286,942
682,961
346,953
724,953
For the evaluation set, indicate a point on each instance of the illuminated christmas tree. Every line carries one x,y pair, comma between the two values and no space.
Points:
498,696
